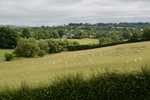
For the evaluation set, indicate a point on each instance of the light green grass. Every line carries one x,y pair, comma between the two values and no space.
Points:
2,53
106,86
85,41
127,57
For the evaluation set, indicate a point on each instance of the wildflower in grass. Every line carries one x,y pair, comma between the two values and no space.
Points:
140,59
138,50
127,61
141,48
32,61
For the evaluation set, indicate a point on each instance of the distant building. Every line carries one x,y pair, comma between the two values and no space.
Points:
64,37
71,35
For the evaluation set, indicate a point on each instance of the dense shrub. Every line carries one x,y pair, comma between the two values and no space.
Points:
43,45
136,36
9,56
107,86
27,48
82,47
111,39
41,53
54,46
92,46
66,43
146,34
32,47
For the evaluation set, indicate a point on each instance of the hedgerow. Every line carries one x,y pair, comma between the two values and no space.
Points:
106,86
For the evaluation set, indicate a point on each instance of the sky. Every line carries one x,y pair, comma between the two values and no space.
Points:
60,12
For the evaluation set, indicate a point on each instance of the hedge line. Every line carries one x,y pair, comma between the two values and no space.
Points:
107,86
92,46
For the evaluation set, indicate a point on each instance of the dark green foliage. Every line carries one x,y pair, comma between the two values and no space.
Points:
9,56
104,40
66,43
115,38
43,45
107,86
8,37
26,33
55,34
126,35
41,53
82,47
146,34
61,32
136,36
79,34
54,46
92,46
31,47
26,48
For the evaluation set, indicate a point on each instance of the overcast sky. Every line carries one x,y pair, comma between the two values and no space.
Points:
59,12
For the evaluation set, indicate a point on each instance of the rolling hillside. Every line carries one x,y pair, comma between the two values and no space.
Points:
35,70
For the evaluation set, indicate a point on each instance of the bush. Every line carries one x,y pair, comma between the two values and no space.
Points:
27,48
107,86
54,47
9,56
43,45
42,53
146,34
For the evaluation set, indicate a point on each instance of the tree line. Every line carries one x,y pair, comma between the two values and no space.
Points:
37,41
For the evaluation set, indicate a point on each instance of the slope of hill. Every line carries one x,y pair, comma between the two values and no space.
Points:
34,70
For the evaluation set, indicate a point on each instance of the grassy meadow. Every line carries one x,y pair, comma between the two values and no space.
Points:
107,86
122,58
85,41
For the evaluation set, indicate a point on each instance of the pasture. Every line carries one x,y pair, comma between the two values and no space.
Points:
123,58
85,41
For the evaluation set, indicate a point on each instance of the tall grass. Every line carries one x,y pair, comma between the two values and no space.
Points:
107,86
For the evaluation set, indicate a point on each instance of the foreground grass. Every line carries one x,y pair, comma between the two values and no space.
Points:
106,86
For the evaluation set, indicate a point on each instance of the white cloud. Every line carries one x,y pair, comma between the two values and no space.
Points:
56,12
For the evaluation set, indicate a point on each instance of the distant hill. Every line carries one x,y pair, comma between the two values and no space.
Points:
14,26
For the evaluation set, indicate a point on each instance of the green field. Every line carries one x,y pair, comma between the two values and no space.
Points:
127,57
85,41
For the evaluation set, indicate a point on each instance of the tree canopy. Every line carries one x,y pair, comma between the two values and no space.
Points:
8,37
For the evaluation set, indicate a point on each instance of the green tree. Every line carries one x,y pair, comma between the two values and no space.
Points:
43,45
136,35
54,46
27,48
55,34
26,33
116,38
146,34
61,32
104,40
38,35
8,37
126,35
